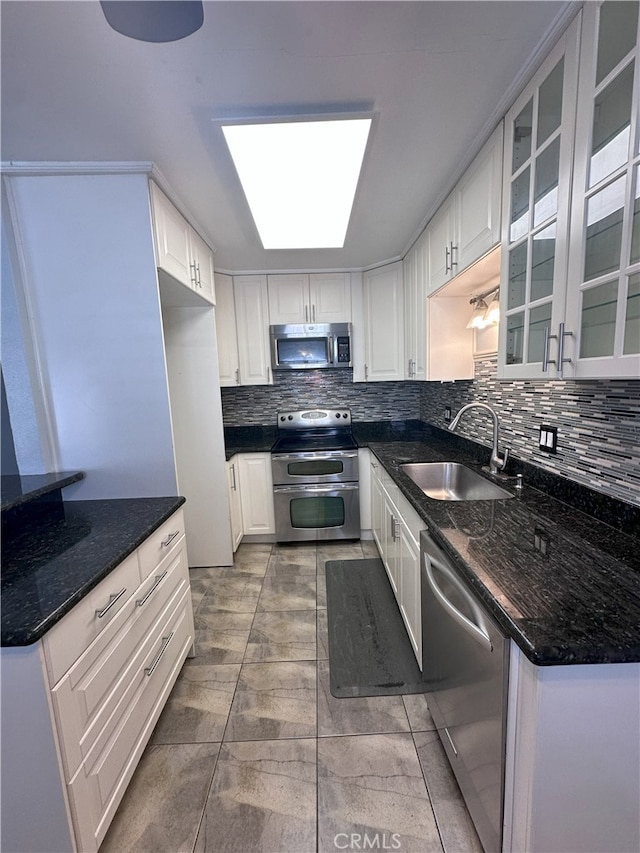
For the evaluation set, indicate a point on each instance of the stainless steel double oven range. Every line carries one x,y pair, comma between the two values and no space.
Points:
315,476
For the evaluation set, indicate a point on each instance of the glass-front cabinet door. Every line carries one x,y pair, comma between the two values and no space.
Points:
537,184
603,299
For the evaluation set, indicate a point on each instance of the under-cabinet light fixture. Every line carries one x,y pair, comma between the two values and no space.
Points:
485,314
299,177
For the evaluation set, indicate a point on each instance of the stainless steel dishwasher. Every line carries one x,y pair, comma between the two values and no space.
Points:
465,661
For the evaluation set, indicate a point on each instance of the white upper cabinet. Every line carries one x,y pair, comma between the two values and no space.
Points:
571,228
309,298
539,137
252,326
478,203
226,334
467,225
603,299
202,279
415,271
180,251
383,323
441,246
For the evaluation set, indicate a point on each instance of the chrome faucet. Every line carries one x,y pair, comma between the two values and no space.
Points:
497,462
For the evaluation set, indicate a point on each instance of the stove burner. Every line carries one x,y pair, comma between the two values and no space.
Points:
314,429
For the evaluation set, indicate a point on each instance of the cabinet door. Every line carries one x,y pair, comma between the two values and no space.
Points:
289,299
226,335
442,252
415,310
390,544
384,320
235,502
330,297
377,507
477,208
256,493
603,298
202,268
172,238
252,324
538,155
409,577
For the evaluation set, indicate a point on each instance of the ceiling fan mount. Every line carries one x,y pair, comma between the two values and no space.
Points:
154,20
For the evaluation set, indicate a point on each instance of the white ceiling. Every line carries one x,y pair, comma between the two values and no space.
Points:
437,75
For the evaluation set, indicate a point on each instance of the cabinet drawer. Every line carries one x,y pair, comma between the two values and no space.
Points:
98,786
154,549
86,699
67,640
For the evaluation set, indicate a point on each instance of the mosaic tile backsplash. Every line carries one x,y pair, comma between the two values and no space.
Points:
598,422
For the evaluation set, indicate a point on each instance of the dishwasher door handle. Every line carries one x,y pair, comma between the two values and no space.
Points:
478,632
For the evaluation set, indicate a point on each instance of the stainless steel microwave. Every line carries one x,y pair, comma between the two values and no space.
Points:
300,346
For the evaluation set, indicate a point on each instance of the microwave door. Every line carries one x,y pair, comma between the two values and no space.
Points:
302,352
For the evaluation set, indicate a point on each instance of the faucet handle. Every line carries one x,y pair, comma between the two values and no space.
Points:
500,462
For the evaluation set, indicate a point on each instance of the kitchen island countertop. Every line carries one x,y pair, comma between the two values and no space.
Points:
47,569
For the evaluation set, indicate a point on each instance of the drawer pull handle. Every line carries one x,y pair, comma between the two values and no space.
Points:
165,642
112,600
166,542
159,579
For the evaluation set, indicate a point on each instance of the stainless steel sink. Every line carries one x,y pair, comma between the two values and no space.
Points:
451,481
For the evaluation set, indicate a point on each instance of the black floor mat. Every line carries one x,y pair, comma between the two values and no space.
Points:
369,650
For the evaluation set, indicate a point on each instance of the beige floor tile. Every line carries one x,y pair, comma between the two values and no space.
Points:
293,560
263,798
456,828
199,704
164,803
373,785
273,701
282,635
420,718
288,593
322,642
364,715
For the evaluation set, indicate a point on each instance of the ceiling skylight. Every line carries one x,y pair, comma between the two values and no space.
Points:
300,178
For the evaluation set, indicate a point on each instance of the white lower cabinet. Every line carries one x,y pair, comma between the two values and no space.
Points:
106,670
396,531
256,493
572,758
235,502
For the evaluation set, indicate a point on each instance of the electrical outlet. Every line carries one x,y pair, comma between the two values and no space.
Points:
447,413
548,440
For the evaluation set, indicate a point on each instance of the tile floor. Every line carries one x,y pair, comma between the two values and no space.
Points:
253,753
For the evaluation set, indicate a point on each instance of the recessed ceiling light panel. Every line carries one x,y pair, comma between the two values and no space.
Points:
299,178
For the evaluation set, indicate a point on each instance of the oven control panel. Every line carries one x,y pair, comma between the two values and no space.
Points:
314,418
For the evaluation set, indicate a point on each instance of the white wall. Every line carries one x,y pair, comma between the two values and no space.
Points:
90,280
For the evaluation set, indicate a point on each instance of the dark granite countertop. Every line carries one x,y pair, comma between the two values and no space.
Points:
18,489
558,565
563,585
46,570
249,439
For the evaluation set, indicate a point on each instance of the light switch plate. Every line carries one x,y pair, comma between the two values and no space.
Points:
548,440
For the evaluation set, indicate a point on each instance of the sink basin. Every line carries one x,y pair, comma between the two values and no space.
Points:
451,481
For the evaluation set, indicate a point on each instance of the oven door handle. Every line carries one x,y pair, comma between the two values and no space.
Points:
311,456
315,490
